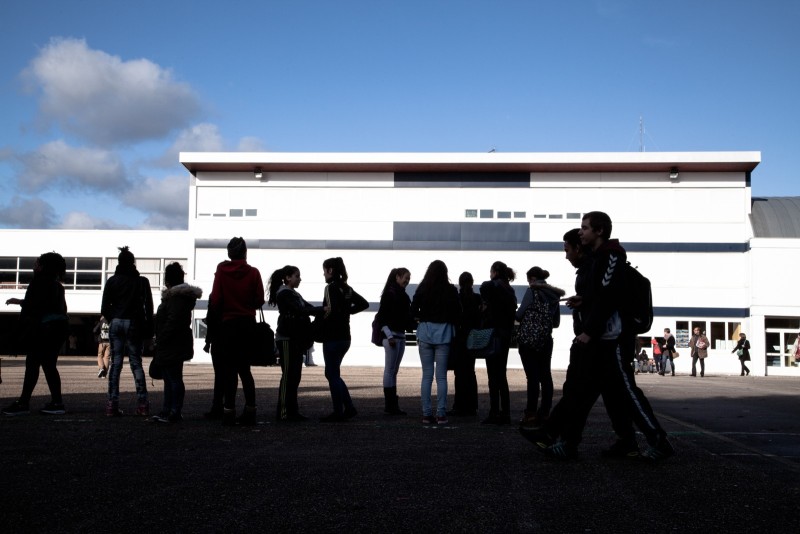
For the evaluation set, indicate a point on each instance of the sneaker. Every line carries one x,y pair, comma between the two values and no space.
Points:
16,408
102,373
538,436
53,408
560,450
428,420
159,418
660,451
143,408
441,420
112,410
622,448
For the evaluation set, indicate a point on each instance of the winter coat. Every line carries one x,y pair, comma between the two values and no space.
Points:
174,339
744,345
602,292
501,306
701,353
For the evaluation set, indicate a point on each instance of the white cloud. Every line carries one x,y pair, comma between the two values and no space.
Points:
203,137
107,100
27,213
56,163
166,201
250,144
80,220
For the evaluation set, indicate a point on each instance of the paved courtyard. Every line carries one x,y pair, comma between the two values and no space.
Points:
737,468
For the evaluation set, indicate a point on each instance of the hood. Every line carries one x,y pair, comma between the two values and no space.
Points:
182,290
550,292
236,269
612,245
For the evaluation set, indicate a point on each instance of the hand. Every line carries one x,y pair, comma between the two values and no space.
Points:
583,338
574,301
392,342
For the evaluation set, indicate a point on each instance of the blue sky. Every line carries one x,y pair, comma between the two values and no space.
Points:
99,96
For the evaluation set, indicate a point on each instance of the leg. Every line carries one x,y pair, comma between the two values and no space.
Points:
333,353
543,363
702,367
441,353
526,355
427,359
118,336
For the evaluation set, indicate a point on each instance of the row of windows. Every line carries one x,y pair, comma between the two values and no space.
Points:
490,214
233,212
82,273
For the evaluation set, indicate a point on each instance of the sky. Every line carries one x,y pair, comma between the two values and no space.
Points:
99,97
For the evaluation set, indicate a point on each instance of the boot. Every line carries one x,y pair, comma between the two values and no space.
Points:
392,402
248,417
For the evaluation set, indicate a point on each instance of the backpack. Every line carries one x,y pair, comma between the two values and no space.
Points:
537,323
636,307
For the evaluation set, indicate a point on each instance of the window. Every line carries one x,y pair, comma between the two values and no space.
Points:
539,216
487,214
251,213
471,214
519,215
503,214
573,215
235,212
556,216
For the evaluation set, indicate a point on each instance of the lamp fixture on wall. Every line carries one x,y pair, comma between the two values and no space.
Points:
258,174
673,174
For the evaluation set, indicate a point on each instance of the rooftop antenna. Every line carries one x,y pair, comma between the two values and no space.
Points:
641,134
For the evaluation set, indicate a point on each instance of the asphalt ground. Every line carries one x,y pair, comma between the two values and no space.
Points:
737,467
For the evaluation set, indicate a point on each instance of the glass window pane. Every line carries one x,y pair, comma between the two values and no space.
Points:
26,263
251,213
519,215
155,279
111,264
70,263
90,264
503,214
487,214
87,279
25,277
470,213
236,212
148,265
8,277
8,263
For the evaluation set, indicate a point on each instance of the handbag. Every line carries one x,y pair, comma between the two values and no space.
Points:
263,344
481,342
155,371
675,354
377,333
740,353
316,329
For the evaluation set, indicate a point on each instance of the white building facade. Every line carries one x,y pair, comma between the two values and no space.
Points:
685,219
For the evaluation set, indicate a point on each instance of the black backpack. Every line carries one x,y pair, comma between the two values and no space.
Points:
636,308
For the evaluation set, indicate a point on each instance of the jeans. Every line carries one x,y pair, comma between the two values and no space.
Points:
499,397
333,352
43,350
174,389
124,335
393,357
434,361
695,357
536,363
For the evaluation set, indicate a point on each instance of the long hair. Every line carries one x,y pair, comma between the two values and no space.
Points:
465,282
503,271
338,270
435,277
276,280
392,278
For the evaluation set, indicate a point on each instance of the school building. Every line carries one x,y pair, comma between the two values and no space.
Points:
717,257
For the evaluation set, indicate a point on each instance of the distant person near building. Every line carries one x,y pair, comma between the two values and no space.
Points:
698,346
102,338
742,350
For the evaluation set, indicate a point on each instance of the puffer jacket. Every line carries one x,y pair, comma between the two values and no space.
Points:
174,340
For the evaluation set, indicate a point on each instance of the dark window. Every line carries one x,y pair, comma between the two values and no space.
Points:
235,212
251,213
487,214
519,215
8,263
503,214
90,264
462,179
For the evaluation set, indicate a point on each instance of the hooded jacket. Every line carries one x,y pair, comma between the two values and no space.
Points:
293,319
601,291
237,291
174,340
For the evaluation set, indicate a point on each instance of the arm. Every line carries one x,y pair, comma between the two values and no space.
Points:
527,300
357,303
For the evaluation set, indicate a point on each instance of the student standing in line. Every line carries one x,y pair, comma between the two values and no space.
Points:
292,337
128,306
101,336
465,401
235,296
667,350
394,319
500,304
435,306
43,329
339,303
742,350
174,339
538,311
